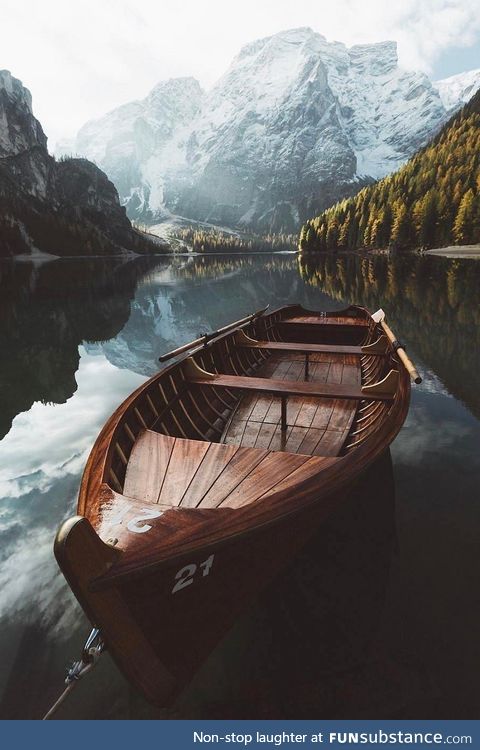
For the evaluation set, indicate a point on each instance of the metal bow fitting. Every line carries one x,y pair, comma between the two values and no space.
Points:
92,650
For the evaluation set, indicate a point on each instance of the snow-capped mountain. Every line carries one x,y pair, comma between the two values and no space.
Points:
458,89
294,124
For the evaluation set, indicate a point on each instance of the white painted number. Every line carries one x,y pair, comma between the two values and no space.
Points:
118,516
207,565
185,576
147,515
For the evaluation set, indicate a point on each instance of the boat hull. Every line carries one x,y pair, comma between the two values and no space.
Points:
178,613
181,524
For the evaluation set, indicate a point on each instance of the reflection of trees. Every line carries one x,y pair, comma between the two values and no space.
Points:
432,302
45,313
212,266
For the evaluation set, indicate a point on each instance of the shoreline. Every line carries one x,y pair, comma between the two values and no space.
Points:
456,251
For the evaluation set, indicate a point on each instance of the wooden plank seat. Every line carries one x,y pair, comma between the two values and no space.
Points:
327,320
385,391
378,348
292,346
177,472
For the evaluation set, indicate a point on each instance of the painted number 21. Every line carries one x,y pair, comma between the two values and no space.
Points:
186,575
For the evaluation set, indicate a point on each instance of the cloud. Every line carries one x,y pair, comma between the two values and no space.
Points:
41,460
436,425
82,59
31,588
52,440
430,27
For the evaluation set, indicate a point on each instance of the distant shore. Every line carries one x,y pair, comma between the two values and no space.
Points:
456,251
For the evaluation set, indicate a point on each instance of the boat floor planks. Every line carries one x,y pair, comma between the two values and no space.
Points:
205,474
214,473
258,416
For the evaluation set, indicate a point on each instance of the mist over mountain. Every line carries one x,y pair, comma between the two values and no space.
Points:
293,125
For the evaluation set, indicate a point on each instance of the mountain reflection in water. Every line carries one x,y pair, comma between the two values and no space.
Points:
367,622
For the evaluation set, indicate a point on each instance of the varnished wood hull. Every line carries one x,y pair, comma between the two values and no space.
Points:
164,583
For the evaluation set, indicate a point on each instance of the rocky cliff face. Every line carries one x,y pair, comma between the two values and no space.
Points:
19,130
66,208
295,123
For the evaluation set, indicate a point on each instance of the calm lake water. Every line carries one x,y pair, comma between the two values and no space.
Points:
378,618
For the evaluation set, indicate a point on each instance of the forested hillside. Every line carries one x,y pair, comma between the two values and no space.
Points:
433,200
216,241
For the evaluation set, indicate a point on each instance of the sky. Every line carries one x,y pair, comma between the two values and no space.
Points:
82,58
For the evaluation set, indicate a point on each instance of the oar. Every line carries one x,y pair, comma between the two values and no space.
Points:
213,335
379,317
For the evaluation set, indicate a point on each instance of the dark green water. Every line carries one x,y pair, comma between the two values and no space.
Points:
378,618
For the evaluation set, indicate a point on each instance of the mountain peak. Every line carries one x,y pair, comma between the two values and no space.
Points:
21,130
15,88
76,207
180,85
296,36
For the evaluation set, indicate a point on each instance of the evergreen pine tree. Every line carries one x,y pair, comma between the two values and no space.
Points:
462,229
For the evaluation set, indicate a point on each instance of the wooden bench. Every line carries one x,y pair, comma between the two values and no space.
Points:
381,391
377,348
329,320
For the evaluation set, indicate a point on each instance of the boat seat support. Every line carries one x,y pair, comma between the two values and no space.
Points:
284,414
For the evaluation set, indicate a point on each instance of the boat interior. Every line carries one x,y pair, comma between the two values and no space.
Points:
258,407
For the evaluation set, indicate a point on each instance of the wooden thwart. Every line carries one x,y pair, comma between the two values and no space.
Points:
326,320
383,391
379,346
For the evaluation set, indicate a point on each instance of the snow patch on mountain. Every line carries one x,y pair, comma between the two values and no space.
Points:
458,89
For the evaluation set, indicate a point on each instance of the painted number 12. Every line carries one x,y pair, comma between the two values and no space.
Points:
186,575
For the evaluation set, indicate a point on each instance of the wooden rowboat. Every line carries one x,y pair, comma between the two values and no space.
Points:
216,471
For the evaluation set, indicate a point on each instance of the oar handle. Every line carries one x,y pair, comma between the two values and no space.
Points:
402,354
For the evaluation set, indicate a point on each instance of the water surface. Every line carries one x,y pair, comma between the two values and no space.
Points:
378,618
